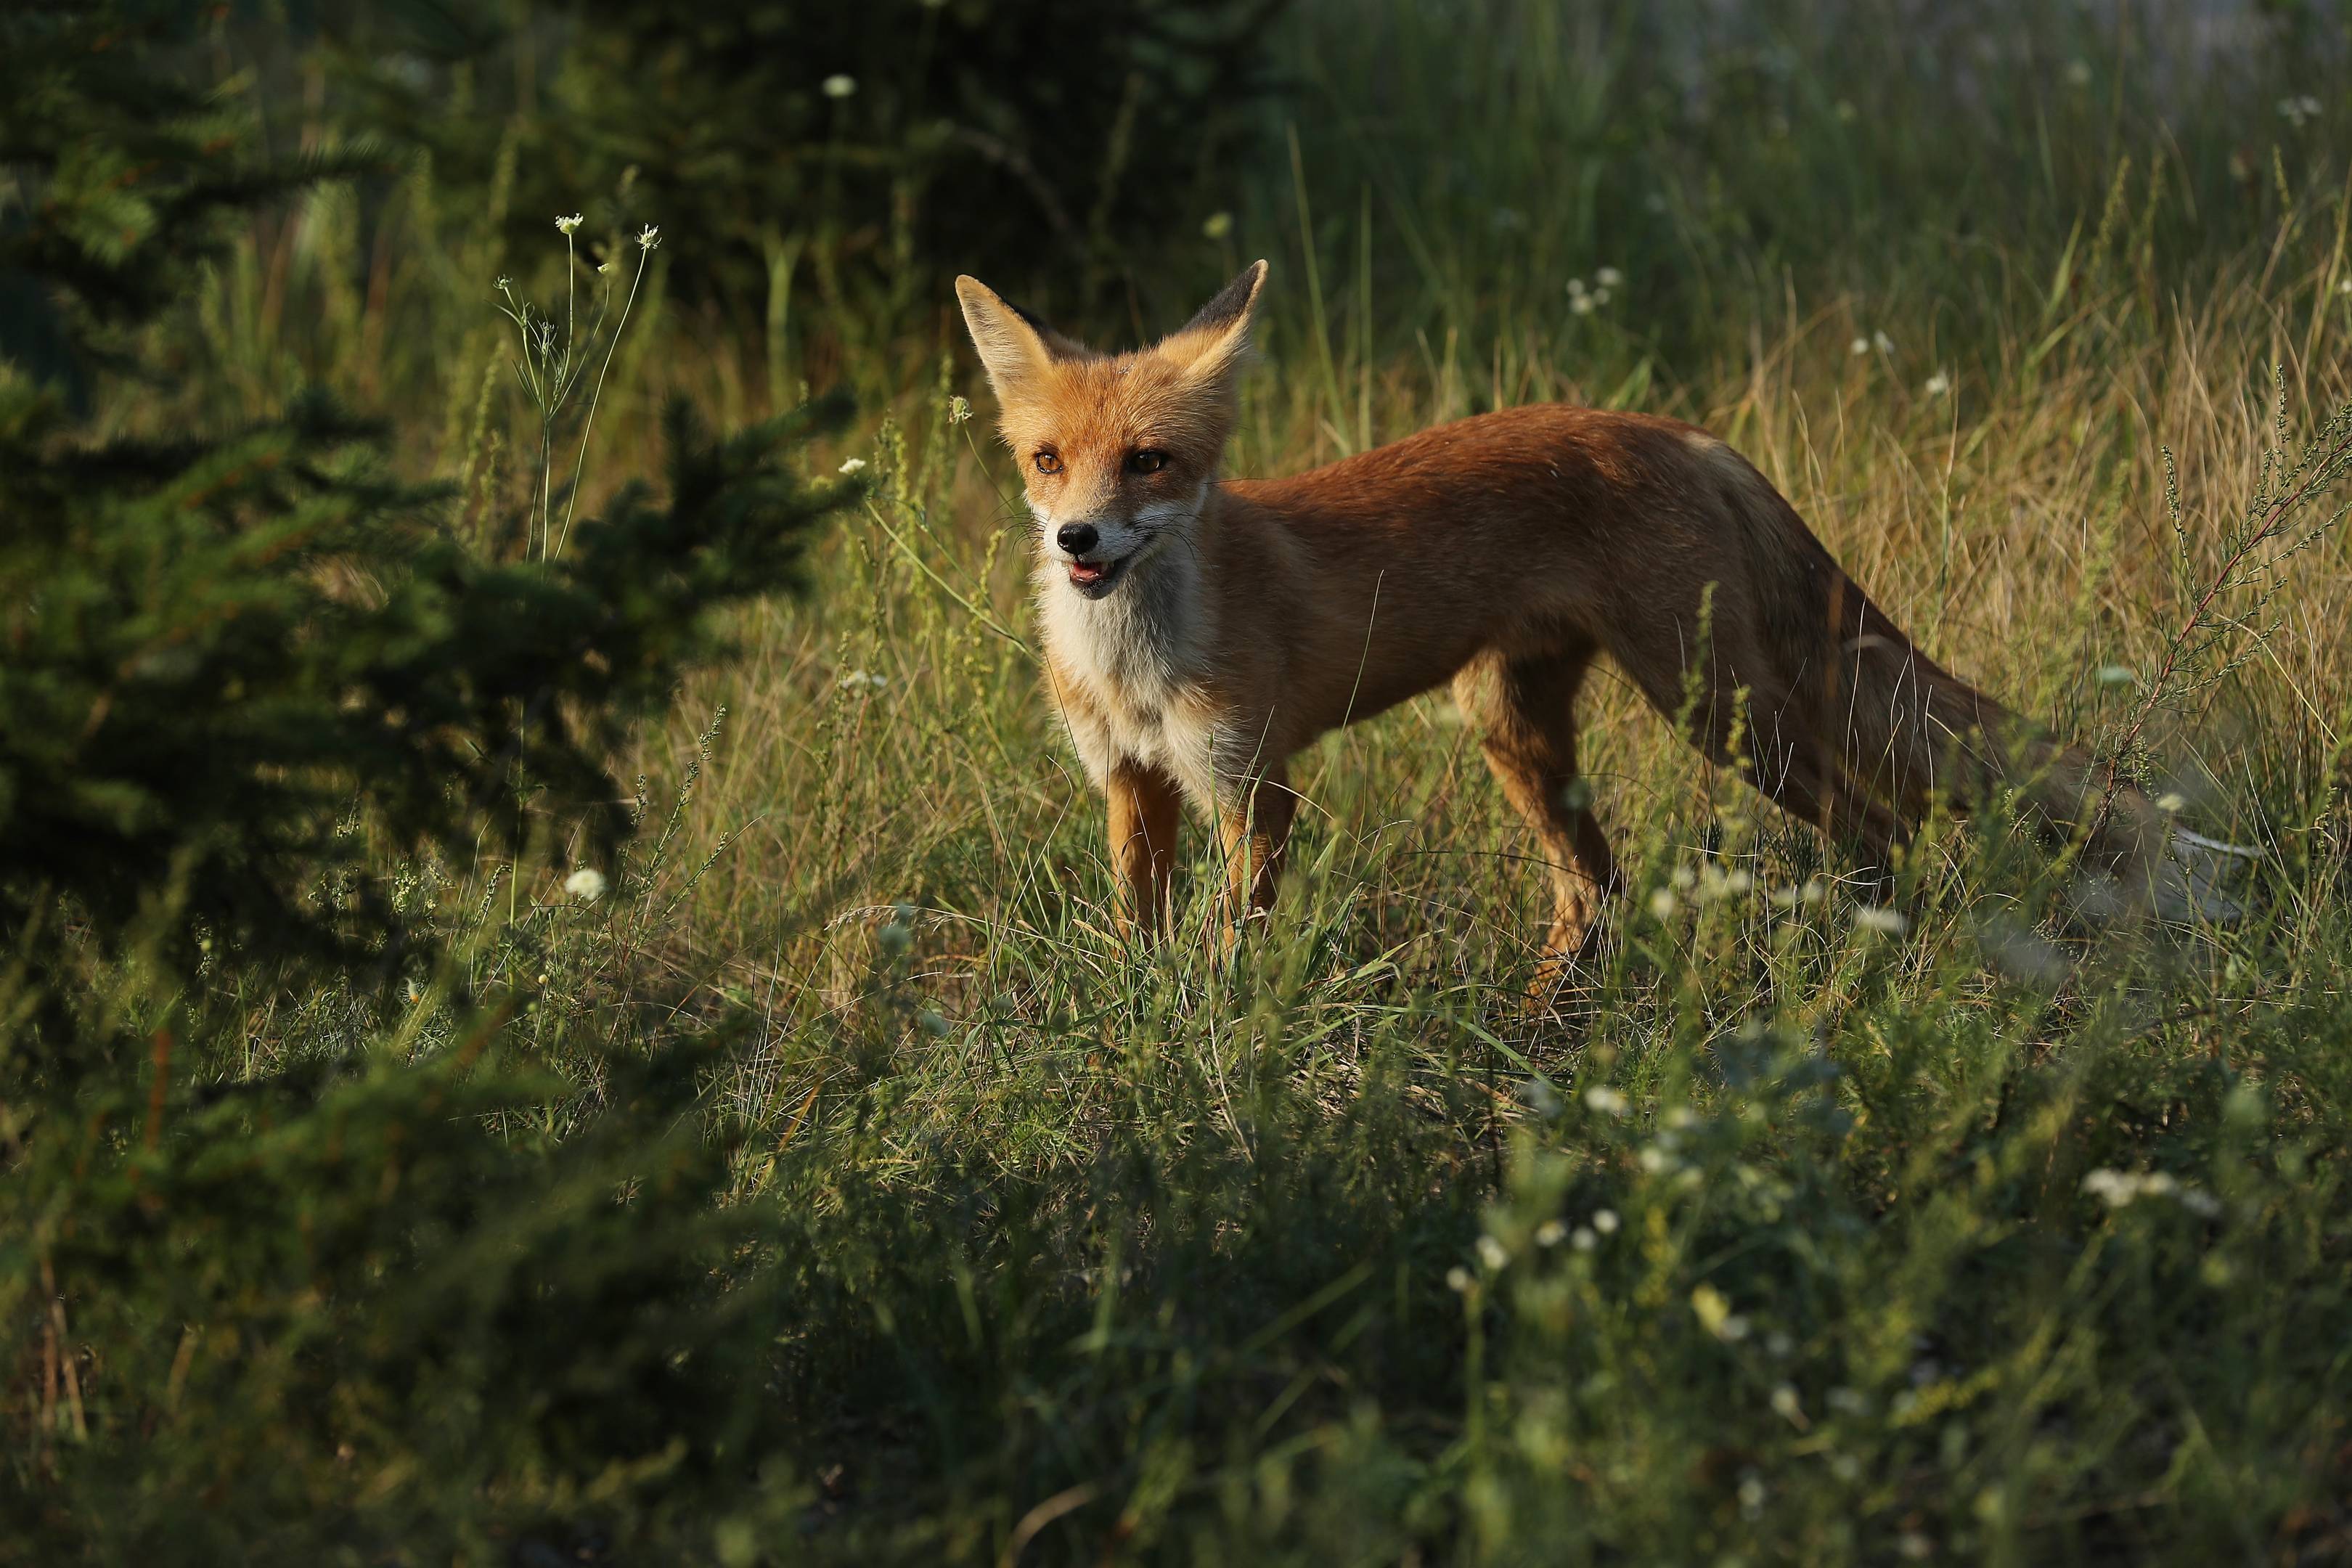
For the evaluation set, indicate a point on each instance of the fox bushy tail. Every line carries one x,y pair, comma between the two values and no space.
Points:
1906,731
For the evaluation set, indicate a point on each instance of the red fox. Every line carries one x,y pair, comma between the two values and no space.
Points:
1199,631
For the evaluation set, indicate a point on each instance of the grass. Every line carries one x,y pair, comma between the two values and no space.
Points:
1779,1235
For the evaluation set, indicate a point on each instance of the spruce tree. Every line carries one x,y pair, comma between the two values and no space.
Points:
341,1311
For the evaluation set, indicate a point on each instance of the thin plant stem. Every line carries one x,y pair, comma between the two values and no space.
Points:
596,394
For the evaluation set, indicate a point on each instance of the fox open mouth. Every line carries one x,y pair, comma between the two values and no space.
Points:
1094,578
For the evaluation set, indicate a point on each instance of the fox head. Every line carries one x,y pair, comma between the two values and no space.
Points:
1117,451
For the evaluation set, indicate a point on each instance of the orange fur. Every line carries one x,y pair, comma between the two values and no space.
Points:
1199,631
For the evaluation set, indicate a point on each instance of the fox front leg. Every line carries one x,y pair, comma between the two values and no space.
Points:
1146,808
1254,826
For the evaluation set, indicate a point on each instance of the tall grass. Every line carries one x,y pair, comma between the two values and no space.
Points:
1779,1235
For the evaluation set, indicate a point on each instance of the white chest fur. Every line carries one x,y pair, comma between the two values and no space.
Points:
1138,657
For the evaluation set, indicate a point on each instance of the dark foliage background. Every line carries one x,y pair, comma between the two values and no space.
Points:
869,148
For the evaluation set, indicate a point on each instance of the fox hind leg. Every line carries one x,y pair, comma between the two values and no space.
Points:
1527,707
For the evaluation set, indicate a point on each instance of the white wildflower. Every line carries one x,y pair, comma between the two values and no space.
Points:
1879,920
2121,1189
839,86
1715,1316
2117,675
1583,1240
2172,801
648,237
1938,385
1608,276
1607,1100
1551,1233
586,884
2298,111
959,411
1882,342
1492,1254
853,465
1579,304
1859,347
1457,1280
1715,884
1662,903
1605,1221
566,225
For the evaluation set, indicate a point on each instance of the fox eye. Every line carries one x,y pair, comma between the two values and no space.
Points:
1147,461
1049,462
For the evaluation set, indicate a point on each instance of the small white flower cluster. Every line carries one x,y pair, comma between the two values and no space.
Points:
1715,884
1938,384
1608,1102
959,411
1879,920
2300,111
2121,1189
1583,1237
586,884
1715,1316
1813,891
1879,340
567,226
853,465
863,680
1606,281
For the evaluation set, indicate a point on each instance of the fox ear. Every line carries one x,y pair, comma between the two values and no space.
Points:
1017,348
1216,342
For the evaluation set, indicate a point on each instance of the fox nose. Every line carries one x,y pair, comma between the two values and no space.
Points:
1078,538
